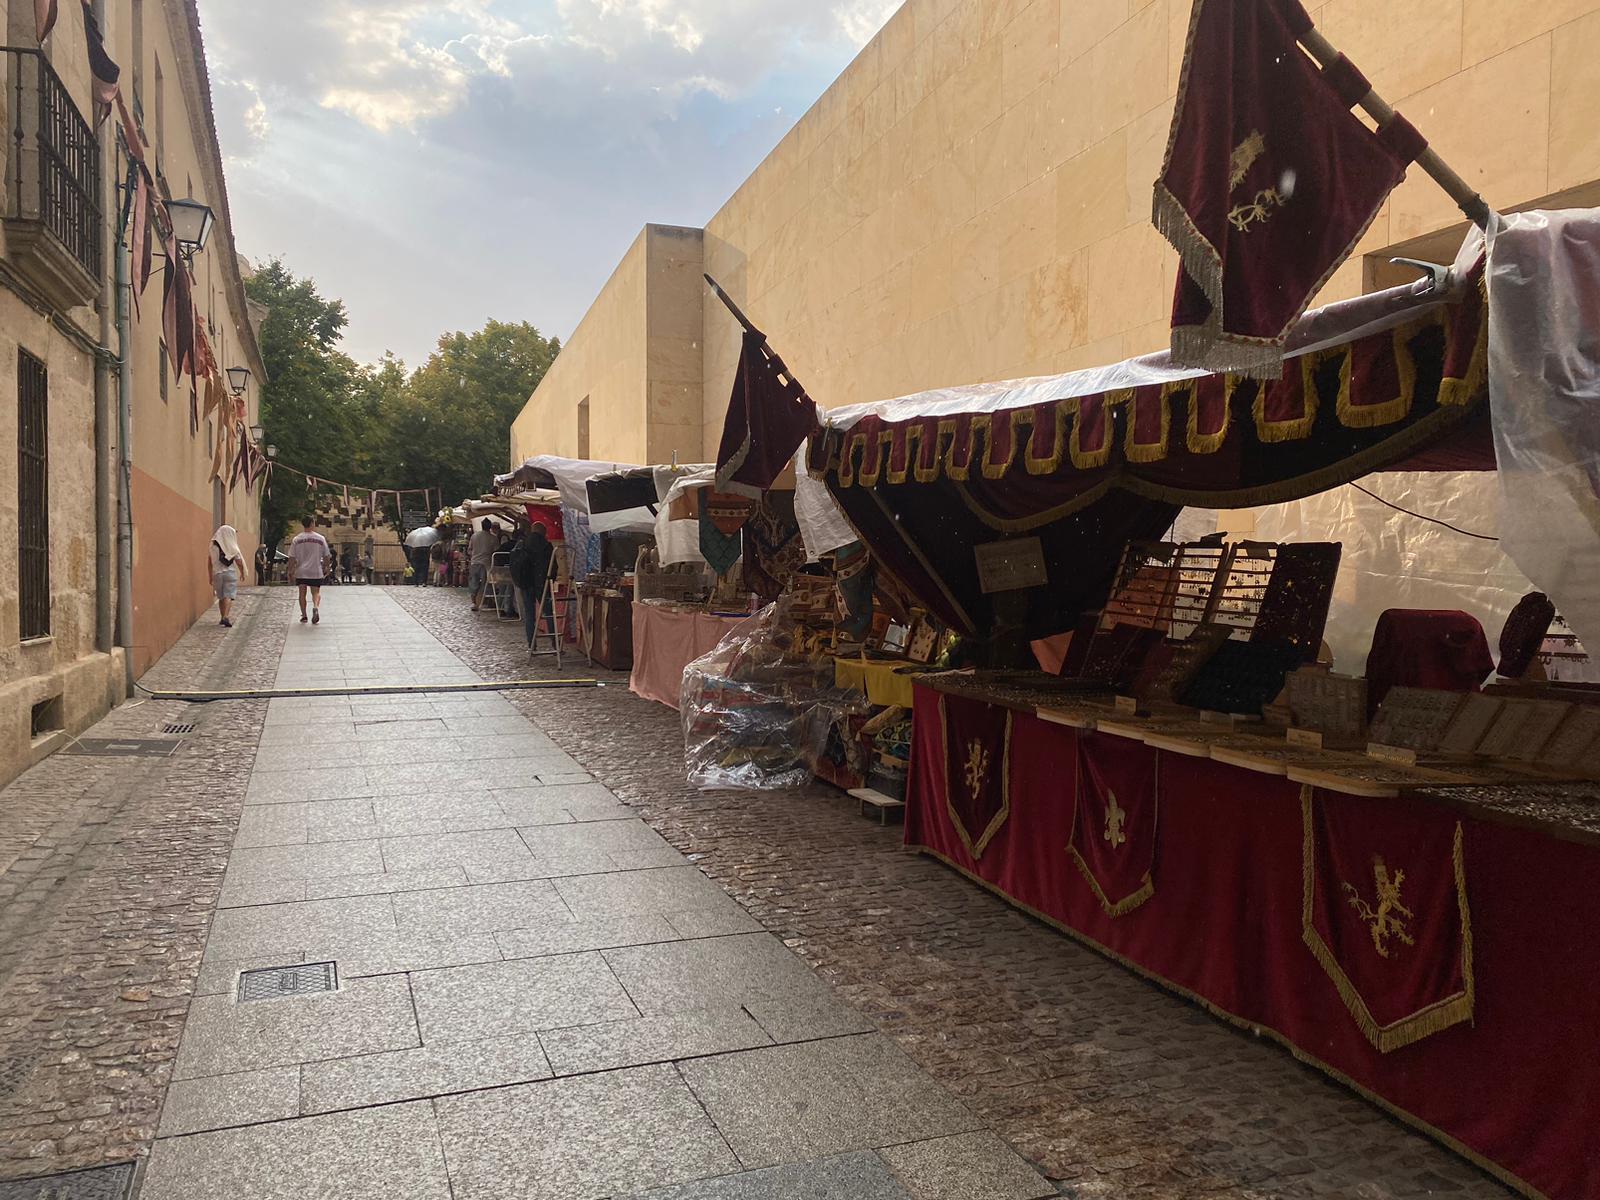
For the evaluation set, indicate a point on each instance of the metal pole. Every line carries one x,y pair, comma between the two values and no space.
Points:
125,456
104,466
1380,110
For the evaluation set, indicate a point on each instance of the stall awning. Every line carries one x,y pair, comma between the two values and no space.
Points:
1087,461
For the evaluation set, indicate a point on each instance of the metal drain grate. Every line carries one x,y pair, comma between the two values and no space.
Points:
272,983
185,727
122,747
101,1183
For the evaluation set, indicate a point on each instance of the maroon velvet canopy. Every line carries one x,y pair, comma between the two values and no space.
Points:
924,481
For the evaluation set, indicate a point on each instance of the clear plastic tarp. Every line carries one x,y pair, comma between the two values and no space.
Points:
758,710
1544,396
1392,560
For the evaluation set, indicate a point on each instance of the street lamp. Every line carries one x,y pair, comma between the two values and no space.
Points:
257,432
272,452
192,223
238,379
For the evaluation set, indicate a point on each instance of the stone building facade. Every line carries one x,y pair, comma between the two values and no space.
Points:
64,658
971,199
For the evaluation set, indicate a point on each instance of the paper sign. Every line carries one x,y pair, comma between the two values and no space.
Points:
1010,565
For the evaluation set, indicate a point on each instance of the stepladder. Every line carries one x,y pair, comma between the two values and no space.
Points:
555,611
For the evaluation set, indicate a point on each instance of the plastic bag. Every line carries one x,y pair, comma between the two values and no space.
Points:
759,711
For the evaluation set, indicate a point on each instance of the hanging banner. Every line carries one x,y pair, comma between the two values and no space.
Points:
1114,830
977,764
1385,914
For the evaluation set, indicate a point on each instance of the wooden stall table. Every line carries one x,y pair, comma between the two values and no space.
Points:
666,639
605,626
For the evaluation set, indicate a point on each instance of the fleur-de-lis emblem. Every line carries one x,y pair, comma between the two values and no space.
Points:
1116,822
1385,920
977,767
1253,212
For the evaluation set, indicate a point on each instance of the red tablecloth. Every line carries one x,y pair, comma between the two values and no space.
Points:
1237,909
665,641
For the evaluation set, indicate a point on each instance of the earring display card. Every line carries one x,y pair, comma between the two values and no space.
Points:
1414,718
1523,728
1334,705
1242,677
1471,724
1578,737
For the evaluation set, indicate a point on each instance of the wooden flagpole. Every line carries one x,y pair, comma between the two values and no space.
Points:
766,348
1381,111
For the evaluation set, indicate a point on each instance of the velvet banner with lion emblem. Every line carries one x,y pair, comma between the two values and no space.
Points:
1114,835
977,762
1385,914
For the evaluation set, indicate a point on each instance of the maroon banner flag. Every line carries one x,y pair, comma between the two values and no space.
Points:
977,766
769,415
1385,914
1269,182
44,17
1114,829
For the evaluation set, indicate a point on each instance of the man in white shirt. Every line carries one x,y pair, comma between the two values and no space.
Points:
310,558
480,553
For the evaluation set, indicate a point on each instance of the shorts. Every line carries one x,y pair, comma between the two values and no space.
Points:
225,583
478,577
312,583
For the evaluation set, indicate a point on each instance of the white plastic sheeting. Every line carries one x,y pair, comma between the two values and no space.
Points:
679,541
1391,560
1544,397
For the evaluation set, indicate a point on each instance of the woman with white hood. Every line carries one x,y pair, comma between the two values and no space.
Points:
225,563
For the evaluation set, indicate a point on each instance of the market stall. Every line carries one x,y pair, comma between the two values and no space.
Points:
1190,791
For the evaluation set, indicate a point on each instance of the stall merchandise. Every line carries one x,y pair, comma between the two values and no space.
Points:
605,622
1391,943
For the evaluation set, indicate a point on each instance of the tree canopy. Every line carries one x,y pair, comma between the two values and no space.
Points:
444,425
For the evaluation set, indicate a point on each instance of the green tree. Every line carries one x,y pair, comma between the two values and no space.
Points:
444,426
453,422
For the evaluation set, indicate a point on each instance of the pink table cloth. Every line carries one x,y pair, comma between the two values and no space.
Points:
667,640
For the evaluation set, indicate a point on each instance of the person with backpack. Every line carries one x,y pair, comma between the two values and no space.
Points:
529,567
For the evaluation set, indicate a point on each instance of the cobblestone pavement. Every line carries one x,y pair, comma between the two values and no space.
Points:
1110,1085
109,871
536,997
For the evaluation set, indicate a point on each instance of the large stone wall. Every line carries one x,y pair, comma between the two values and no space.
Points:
971,199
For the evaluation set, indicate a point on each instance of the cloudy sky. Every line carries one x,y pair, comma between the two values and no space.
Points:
436,163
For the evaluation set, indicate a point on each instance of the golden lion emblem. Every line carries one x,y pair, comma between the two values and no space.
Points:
1384,920
977,768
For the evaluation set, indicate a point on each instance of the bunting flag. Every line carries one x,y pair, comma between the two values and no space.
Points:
44,17
141,251
719,548
1269,181
1114,828
177,316
977,763
103,72
1385,914
769,416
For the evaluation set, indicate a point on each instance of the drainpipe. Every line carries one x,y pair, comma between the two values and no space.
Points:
104,495
125,457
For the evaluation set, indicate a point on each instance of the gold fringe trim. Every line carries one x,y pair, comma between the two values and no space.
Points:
976,848
1208,443
1387,412
1295,428
1452,1010
1457,392
1148,452
1454,1145
1147,888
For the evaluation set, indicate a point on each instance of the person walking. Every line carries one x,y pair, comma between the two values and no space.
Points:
227,564
368,558
530,568
310,559
480,554
263,565
418,544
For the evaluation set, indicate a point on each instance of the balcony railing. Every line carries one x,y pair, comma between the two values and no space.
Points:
53,213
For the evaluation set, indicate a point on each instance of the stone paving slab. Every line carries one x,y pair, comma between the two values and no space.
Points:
387,1153
816,1099
585,1136
968,1166
651,1039
258,932
482,908
467,848
264,863
572,937
859,1176
225,1101
522,996
225,1036
390,952
426,1071
680,975
665,889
